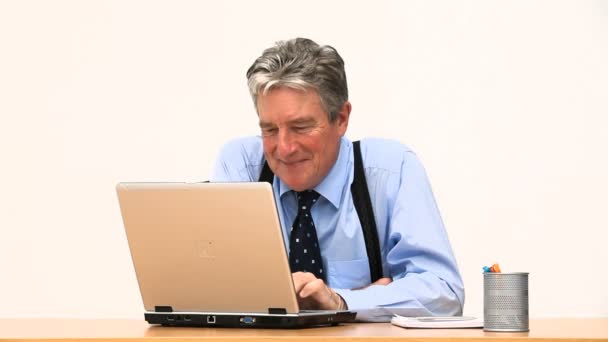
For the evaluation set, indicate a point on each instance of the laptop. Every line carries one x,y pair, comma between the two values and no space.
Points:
213,254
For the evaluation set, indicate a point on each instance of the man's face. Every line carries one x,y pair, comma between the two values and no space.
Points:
300,144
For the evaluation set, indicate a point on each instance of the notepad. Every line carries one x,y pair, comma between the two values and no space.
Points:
447,322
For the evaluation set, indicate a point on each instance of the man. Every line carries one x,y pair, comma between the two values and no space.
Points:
300,93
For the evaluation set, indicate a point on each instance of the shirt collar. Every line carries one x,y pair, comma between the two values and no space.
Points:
332,186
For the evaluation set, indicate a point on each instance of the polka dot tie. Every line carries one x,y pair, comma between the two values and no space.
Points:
304,250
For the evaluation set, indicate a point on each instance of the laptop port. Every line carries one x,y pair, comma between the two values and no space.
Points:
187,318
210,319
247,320
170,318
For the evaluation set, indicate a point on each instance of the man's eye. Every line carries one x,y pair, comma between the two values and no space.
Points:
301,128
269,131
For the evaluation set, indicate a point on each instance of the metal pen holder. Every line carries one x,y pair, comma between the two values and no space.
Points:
505,302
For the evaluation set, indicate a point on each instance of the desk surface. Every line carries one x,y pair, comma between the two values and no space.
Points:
139,330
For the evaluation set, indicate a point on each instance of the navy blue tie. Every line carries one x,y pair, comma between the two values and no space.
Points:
304,250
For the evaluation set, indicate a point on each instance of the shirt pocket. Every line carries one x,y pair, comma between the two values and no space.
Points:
349,274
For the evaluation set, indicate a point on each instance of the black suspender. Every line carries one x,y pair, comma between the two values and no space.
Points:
267,175
363,205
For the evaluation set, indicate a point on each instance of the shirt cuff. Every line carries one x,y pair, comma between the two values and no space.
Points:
353,299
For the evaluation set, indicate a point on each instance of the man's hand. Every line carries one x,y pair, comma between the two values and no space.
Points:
313,294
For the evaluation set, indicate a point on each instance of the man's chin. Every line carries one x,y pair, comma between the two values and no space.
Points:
295,184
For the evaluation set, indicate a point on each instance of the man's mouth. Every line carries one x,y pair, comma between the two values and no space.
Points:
294,163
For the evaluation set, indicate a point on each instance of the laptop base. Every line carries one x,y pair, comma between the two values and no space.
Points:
229,320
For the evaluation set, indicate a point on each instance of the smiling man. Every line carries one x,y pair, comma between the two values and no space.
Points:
300,93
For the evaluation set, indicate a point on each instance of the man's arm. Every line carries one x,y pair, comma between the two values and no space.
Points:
425,276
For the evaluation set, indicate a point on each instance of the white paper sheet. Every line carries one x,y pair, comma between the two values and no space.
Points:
450,322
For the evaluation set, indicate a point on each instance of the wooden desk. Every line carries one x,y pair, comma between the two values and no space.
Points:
59,330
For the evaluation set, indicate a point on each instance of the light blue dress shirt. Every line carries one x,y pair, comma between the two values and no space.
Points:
415,249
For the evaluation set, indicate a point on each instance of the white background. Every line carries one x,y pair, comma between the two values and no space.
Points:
504,102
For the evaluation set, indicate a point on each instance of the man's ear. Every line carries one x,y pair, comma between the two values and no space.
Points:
343,116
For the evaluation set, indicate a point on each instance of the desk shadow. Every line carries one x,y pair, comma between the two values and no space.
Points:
172,331
505,334
168,331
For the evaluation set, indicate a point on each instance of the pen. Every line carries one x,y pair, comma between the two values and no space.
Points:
493,269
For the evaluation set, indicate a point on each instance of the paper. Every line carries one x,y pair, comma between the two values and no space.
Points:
447,322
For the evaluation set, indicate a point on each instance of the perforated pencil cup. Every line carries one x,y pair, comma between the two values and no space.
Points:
505,302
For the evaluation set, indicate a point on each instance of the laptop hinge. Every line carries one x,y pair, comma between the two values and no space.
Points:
160,308
277,311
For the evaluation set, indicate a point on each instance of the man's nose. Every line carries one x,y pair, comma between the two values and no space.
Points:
286,145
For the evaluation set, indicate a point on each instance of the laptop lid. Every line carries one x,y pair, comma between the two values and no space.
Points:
207,247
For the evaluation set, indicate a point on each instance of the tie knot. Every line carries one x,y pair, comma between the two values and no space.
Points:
307,199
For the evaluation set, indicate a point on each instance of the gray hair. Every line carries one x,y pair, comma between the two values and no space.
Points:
301,64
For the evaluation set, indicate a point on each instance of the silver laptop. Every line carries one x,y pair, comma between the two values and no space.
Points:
212,254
